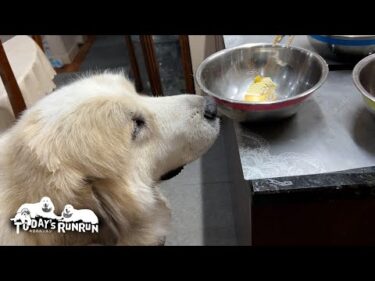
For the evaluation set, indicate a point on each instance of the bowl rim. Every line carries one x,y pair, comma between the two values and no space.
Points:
322,78
348,37
357,71
367,41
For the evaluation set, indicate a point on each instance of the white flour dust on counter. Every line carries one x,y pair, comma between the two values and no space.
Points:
258,163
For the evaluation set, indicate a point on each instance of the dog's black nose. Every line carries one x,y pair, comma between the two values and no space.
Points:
210,108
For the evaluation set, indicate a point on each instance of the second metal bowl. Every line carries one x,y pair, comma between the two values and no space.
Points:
364,80
347,48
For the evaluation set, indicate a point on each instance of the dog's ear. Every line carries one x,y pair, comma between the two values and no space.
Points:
78,145
45,157
34,145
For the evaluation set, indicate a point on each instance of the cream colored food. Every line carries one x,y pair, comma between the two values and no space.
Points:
262,89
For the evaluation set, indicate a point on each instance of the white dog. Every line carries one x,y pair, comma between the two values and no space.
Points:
23,216
73,215
98,145
44,209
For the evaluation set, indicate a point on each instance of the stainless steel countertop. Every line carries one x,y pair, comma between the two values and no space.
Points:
332,132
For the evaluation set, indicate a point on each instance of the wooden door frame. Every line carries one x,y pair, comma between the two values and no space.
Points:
134,64
187,63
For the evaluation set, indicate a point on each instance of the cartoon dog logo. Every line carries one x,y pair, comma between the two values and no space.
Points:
28,211
23,216
73,215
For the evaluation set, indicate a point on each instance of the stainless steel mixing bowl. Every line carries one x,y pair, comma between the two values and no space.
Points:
364,80
343,47
227,74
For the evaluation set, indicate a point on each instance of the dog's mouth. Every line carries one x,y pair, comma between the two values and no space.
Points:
171,174
46,209
66,215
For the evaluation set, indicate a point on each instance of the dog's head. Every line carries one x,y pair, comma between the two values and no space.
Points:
47,205
25,216
68,211
99,128
25,212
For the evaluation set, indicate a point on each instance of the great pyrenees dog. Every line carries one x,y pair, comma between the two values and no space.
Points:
96,144
73,215
44,208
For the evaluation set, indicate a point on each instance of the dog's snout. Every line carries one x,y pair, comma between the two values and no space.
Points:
210,108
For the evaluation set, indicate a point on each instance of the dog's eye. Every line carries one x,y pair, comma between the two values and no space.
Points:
139,124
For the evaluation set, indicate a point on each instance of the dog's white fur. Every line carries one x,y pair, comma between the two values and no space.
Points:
36,209
24,216
73,215
86,145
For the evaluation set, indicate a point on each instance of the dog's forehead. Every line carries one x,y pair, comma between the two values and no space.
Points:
70,97
46,200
